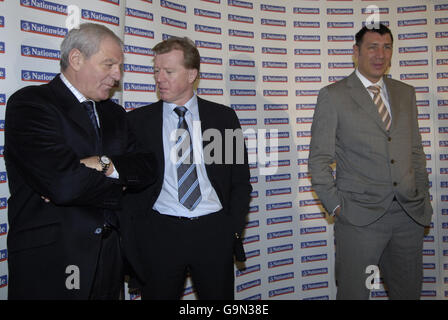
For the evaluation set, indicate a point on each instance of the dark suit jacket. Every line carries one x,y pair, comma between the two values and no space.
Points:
47,132
372,164
230,181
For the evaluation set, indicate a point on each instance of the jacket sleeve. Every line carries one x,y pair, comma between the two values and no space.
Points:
322,151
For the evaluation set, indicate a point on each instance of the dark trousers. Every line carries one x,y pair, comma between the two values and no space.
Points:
202,247
109,278
394,243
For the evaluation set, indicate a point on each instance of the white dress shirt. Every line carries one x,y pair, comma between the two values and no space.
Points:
168,202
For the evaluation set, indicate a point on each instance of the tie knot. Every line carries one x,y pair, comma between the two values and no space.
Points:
180,111
375,89
88,104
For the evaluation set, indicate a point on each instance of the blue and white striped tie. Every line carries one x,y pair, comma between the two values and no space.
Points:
188,189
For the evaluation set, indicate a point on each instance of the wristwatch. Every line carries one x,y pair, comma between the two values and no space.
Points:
105,163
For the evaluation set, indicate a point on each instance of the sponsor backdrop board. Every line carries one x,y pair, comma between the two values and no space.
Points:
267,60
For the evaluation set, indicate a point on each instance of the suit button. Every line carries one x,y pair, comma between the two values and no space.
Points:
395,184
392,161
389,139
98,231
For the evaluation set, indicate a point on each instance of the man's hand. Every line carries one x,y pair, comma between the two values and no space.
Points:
94,163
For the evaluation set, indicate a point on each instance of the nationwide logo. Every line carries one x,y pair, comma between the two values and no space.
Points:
301,162
135,68
281,291
273,23
315,285
241,33
173,6
45,6
377,10
248,270
307,65
341,65
341,38
248,285
279,234
271,8
254,194
174,23
273,36
303,175
251,239
313,244
207,29
442,89
340,25
275,64
3,229
36,52
3,281
3,255
304,120
100,17
303,147
410,23
33,27
310,202
306,24
413,63
267,50
117,2
442,103
340,52
242,77
427,130
278,177
307,93
307,52
211,60
278,220
138,50
441,48
442,62
275,107
243,92
241,48
280,263
240,4
312,230
277,135
207,13
37,76
412,36
210,76
422,103
2,99
441,21
276,121
275,79
2,73
210,91
280,277
413,49
314,272
243,19
422,89
139,14
275,93
208,45
312,216
335,78
414,76
139,32
253,224
303,189
139,87
244,107
300,79
131,105
441,7
308,38
303,134
2,47
2,21
421,8
279,163
339,11
443,34
306,10
277,192
314,258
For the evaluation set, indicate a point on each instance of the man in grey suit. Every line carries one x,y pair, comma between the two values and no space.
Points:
367,124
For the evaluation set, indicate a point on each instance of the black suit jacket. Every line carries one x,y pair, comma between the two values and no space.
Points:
47,132
230,181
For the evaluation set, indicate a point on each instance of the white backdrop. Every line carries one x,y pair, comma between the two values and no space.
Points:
267,60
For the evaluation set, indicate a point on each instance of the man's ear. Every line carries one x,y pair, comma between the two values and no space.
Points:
192,75
75,59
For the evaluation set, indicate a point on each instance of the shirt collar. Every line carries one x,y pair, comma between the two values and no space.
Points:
81,98
366,82
191,105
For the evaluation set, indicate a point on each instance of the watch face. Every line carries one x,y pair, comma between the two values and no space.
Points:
105,160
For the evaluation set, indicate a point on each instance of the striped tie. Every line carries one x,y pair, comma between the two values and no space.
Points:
188,189
89,107
382,110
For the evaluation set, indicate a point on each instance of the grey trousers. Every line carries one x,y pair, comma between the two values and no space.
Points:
394,243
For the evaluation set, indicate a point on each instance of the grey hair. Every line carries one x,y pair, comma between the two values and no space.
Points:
86,39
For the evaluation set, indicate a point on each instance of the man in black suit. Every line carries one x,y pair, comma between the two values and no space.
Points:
192,218
68,162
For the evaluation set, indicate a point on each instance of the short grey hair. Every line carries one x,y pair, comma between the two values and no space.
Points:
86,39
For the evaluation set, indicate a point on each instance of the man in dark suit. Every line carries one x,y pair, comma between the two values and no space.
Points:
367,124
192,218
68,162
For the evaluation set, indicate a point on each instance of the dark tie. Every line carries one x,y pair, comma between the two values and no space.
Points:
382,110
88,105
189,192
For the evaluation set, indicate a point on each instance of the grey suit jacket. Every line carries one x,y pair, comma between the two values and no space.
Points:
372,164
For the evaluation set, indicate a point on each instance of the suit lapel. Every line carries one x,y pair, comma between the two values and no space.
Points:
359,93
394,102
